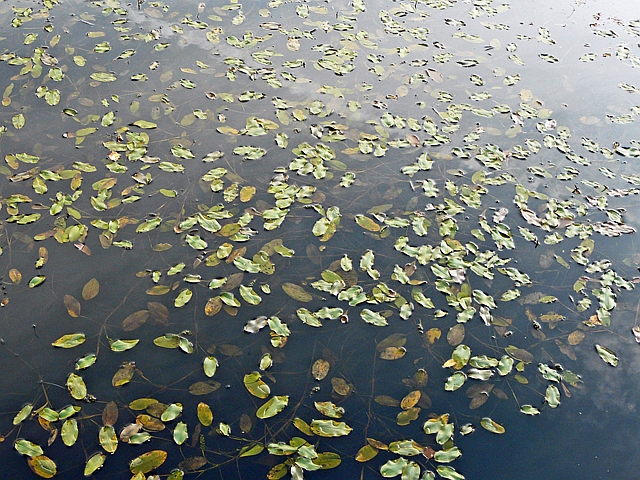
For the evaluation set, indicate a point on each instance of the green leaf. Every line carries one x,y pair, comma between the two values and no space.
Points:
76,386
205,415
273,406
446,456
148,225
329,409
330,428
23,414
145,124
94,463
256,386
103,77
25,447
455,381
108,438
69,432
123,345
171,412
183,298
251,450
607,355
529,410
180,433
210,366
393,468
181,152
42,466
552,396
147,461
249,295
37,280
70,340
374,318
445,471
491,426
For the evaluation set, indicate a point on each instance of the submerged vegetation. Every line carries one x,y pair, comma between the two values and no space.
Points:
275,238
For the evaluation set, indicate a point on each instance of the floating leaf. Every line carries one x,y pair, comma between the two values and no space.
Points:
15,276
171,412
393,353
37,280
42,466
69,432
552,396
180,433
273,406
374,318
251,450
329,409
76,386
123,345
445,471
529,410
411,399
210,366
366,453
108,438
145,124
607,355
23,414
491,426
94,463
330,428
70,340
25,447
147,461
124,374
205,415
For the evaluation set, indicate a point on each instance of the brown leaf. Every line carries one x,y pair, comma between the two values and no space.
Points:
229,350
478,401
135,320
245,423
238,252
110,414
428,453
192,463
73,305
150,423
455,336
320,369
91,289
213,306
124,374
158,312
340,386
432,335
410,400
15,276
575,337
386,401
204,388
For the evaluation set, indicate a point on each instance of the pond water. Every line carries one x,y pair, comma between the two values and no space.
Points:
321,239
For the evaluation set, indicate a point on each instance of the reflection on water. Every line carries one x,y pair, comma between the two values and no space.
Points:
433,198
